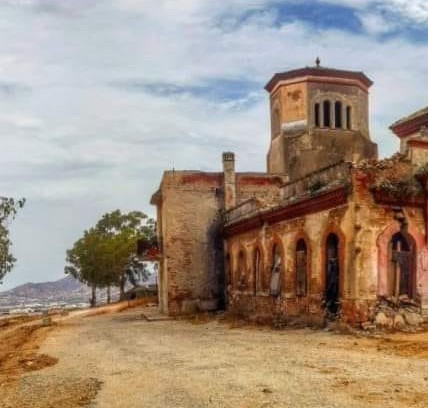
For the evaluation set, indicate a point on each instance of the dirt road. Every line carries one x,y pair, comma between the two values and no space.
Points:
120,360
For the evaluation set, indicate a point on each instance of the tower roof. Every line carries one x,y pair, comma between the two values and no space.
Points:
318,71
411,123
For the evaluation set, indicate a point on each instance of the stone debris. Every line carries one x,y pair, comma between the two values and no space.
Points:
400,314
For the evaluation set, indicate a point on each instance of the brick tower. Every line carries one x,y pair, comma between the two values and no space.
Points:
319,117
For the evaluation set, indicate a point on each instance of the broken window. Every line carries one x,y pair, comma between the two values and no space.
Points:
275,281
401,276
301,267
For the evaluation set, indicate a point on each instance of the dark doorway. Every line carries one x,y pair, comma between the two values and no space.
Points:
332,274
401,276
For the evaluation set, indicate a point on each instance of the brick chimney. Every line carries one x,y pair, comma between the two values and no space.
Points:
229,180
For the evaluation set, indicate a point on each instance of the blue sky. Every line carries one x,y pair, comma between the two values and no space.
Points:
98,97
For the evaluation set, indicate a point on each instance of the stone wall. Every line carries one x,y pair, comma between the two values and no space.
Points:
191,268
190,219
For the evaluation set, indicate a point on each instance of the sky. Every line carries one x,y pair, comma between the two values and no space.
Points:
98,97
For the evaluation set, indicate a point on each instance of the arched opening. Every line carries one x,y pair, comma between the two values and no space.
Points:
275,280
258,271
317,115
338,115
348,118
276,123
326,113
301,267
332,274
241,275
228,269
401,274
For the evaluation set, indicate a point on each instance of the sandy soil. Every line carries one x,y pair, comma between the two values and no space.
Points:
121,360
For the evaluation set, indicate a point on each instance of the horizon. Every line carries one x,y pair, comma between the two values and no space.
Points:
99,97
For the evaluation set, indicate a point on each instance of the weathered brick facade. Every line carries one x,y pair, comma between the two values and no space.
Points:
328,231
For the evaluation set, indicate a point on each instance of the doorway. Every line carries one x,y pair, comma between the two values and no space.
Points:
401,274
332,274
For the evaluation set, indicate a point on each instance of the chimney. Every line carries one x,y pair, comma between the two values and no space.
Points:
229,180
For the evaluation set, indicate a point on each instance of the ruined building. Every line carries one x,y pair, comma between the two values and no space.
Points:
328,230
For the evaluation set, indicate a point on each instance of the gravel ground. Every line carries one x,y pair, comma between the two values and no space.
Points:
120,360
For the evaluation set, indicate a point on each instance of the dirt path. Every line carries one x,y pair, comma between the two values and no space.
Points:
120,360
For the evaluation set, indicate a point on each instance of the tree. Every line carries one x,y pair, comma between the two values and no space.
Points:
87,261
8,210
107,253
122,232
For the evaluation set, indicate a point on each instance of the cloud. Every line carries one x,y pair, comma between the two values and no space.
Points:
413,10
65,8
94,107
8,89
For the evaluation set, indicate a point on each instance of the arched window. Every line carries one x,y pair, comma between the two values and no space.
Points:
258,272
276,124
348,118
326,113
241,272
317,115
338,115
301,267
332,274
401,271
228,269
275,281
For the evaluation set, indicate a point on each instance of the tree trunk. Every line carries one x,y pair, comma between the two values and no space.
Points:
93,299
122,287
108,294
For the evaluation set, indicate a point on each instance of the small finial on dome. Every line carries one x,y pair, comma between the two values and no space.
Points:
318,62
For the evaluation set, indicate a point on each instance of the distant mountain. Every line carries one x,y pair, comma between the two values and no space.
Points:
66,291
46,289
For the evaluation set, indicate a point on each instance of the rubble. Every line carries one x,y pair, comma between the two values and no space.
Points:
401,314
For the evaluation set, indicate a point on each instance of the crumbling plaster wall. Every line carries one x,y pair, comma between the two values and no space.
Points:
314,228
192,249
376,223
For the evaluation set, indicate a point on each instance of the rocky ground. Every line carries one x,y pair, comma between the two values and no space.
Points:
122,360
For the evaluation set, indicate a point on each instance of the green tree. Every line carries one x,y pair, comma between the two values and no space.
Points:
8,210
122,232
106,255
86,261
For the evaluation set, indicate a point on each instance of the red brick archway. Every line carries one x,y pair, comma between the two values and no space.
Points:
416,241
333,230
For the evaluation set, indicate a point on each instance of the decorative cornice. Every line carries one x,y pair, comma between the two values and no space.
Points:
411,126
310,205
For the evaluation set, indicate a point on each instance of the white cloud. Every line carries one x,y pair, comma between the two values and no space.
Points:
414,10
76,146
